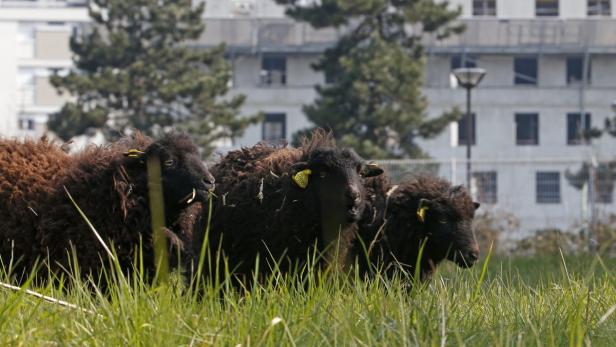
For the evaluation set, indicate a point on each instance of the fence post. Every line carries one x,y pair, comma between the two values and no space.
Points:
454,171
592,181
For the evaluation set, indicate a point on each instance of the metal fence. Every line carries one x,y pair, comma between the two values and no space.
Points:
43,3
481,35
539,194
532,35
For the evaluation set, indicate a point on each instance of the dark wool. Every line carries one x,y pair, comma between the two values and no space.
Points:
109,187
391,233
260,213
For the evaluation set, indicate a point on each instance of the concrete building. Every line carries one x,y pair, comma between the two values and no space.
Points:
530,109
550,75
34,41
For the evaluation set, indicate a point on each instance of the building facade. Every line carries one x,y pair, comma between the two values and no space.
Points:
550,76
550,67
34,41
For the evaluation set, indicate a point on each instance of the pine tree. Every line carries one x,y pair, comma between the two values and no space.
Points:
134,69
374,102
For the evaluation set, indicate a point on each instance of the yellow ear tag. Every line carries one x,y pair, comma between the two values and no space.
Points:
421,213
134,153
301,178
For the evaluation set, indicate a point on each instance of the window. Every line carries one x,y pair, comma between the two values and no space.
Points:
525,70
274,127
604,190
462,130
330,77
486,185
464,60
576,129
548,187
546,8
274,70
599,8
527,129
484,8
575,68
26,124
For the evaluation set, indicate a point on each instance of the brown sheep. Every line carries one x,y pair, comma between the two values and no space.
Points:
399,218
266,212
109,183
27,170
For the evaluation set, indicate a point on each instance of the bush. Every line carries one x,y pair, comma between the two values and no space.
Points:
490,225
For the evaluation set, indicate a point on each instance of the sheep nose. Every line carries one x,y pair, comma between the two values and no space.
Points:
472,256
209,181
353,195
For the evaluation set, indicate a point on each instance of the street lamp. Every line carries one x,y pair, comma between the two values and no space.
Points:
609,124
469,78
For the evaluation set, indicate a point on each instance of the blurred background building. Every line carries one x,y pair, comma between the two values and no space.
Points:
34,43
550,63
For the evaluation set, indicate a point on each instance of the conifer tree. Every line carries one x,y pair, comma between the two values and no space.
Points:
135,69
374,102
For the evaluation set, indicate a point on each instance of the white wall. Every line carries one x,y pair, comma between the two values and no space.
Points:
517,9
496,107
242,8
287,99
8,82
19,62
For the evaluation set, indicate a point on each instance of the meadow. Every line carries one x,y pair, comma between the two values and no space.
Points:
540,300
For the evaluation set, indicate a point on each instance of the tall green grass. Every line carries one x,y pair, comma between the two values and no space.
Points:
543,301
547,301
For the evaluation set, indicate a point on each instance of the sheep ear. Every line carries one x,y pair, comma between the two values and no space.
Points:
299,166
476,204
371,170
424,206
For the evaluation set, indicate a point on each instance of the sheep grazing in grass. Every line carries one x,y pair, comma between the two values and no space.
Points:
110,185
275,203
400,218
27,170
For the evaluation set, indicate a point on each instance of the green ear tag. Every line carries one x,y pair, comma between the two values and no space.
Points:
421,213
301,178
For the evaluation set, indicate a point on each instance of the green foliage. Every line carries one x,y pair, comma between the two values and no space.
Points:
134,69
374,103
537,301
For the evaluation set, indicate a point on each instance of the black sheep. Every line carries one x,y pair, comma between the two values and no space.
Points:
276,203
109,183
399,218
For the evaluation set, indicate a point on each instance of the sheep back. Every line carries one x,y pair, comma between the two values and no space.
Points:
28,171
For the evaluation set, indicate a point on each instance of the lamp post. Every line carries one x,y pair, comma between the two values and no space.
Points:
469,78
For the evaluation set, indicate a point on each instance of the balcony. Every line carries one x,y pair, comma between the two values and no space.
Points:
253,35
40,97
532,36
42,3
487,36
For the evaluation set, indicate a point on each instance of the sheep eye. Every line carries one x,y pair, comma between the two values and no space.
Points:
169,162
322,174
443,221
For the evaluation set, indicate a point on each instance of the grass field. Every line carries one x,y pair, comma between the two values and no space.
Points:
543,301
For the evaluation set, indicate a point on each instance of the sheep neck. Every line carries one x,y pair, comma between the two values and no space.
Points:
337,235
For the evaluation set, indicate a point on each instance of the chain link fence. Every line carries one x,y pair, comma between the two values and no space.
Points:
528,197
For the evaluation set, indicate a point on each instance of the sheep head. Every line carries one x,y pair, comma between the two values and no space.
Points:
335,175
445,223
185,178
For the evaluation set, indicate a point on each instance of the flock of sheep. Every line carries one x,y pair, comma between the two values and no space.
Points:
271,207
